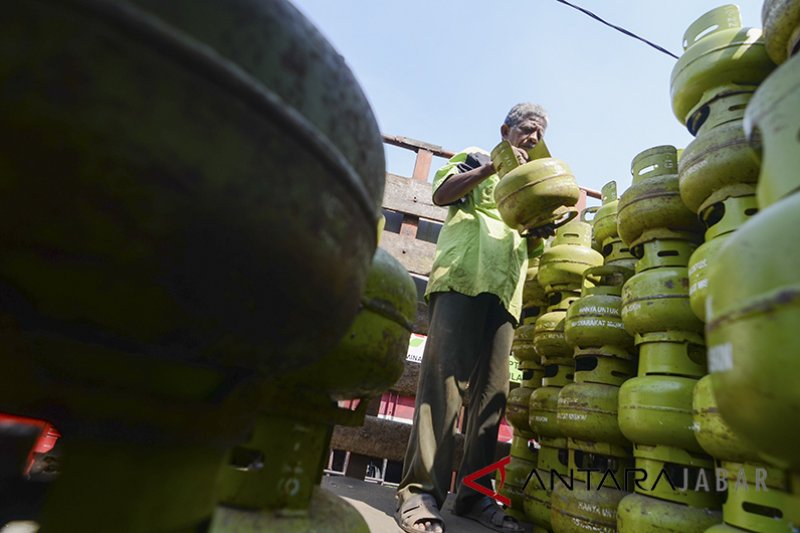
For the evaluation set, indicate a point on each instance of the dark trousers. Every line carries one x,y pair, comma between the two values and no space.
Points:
469,341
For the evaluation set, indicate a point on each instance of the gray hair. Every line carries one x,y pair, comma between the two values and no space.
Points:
525,110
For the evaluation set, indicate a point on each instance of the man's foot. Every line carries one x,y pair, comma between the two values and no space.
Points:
419,514
488,513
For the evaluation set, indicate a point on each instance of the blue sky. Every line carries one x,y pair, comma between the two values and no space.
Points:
447,71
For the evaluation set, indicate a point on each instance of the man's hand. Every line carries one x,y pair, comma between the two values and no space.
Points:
548,230
522,155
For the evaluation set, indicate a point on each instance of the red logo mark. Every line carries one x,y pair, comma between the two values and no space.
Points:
500,465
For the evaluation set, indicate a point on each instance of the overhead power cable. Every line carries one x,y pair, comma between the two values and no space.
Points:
618,28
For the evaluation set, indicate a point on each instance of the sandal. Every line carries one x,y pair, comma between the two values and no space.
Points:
488,513
416,510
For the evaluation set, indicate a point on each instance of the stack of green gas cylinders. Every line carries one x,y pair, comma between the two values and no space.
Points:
718,176
561,273
749,410
655,408
598,452
181,204
523,456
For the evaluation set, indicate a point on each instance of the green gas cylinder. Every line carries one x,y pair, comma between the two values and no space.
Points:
548,337
721,219
759,498
180,248
607,369
371,355
595,320
770,124
517,473
712,432
584,508
657,298
781,20
570,253
537,193
536,499
588,411
717,51
522,347
533,294
753,313
676,475
641,514
543,406
657,410
718,163
651,208
672,353
144,313
605,219
517,407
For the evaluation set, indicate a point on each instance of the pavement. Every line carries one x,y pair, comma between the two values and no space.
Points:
377,503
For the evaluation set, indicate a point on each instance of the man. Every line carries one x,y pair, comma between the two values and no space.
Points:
475,295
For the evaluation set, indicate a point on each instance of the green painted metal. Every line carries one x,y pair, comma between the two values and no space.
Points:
721,219
533,294
536,500
537,193
517,472
588,411
517,408
712,432
522,347
641,514
754,292
664,253
717,51
605,220
658,300
657,410
563,263
719,162
618,254
595,319
132,485
327,513
781,21
532,374
672,353
143,316
278,467
599,457
543,412
370,357
771,511
557,374
602,368
770,124
553,455
584,509
548,337
651,208
179,220
683,468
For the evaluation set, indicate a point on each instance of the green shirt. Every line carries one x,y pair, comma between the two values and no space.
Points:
476,251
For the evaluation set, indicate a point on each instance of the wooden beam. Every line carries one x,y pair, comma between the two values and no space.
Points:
387,439
422,166
407,384
412,197
415,255
413,144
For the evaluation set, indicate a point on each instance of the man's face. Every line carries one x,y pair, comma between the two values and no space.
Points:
526,134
